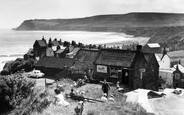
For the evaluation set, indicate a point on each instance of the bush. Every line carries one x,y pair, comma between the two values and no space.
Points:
19,64
13,89
29,65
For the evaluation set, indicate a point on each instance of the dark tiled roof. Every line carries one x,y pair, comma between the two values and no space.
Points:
114,57
41,43
53,62
55,43
84,59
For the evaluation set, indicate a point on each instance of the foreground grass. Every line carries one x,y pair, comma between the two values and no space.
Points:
119,107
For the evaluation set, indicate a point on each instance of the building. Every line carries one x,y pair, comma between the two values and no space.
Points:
151,81
39,48
49,52
51,66
152,48
29,54
83,62
165,71
72,53
163,60
55,43
60,53
178,76
128,67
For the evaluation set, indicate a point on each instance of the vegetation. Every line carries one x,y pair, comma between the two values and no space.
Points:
19,64
119,107
13,90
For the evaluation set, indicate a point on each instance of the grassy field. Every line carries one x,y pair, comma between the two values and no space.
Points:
118,107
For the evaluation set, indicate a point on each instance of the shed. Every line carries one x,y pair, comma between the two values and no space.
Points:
52,65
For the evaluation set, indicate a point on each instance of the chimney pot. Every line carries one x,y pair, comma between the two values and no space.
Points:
139,47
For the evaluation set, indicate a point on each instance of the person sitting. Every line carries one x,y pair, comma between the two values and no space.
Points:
59,99
104,97
111,98
86,80
72,92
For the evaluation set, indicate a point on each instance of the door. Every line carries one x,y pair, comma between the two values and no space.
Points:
125,76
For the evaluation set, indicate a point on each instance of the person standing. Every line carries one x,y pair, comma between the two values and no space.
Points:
105,87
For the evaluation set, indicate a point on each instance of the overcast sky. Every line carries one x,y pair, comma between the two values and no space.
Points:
14,12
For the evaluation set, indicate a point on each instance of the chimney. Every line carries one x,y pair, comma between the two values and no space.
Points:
139,47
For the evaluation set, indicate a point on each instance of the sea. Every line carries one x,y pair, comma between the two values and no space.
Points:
15,44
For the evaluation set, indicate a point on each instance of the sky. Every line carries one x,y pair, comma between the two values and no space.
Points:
14,12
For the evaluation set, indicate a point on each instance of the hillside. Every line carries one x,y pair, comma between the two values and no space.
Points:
160,27
106,22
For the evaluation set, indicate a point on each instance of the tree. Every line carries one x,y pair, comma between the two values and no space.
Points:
66,44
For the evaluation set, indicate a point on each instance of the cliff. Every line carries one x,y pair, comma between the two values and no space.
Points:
160,27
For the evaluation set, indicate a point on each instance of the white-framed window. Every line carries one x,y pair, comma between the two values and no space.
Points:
177,76
114,72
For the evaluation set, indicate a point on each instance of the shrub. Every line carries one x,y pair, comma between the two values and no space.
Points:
13,89
28,66
19,64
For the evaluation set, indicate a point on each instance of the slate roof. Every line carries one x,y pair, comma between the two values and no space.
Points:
53,62
113,57
55,43
41,43
60,51
84,59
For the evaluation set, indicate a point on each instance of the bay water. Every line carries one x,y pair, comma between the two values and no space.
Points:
17,43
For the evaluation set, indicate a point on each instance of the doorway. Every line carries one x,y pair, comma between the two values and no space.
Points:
125,76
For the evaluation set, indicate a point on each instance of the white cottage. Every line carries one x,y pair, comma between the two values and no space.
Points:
163,60
165,71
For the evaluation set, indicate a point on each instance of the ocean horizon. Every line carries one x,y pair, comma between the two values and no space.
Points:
18,42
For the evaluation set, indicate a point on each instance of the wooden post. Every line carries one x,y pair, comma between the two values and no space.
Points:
45,85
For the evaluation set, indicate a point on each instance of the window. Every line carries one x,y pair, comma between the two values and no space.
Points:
114,72
177,76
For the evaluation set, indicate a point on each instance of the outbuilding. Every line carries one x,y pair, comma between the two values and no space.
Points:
51,66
